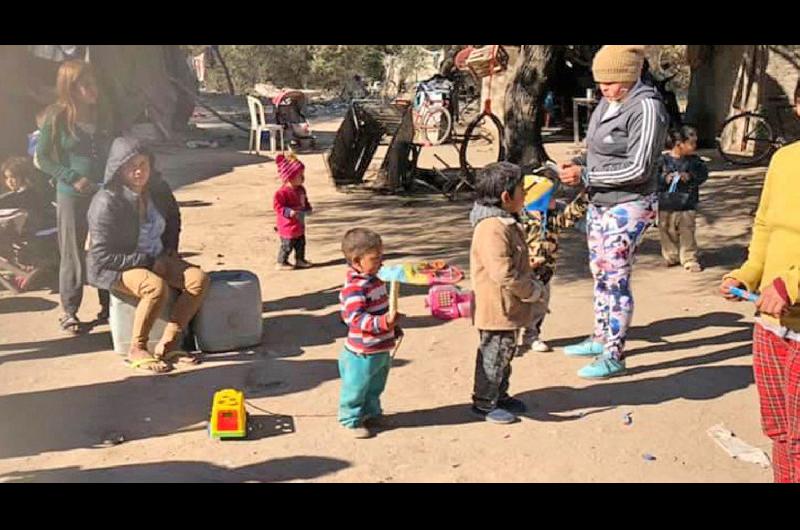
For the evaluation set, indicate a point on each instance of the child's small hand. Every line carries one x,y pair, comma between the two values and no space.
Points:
392,318
536,262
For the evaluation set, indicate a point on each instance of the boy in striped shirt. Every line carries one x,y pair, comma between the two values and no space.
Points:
365,360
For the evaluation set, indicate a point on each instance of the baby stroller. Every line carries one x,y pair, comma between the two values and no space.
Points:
289,113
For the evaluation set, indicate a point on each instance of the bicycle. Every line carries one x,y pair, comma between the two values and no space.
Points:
483,141
748,138
467,97
431,116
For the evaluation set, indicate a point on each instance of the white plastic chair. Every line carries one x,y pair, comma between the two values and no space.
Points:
258,124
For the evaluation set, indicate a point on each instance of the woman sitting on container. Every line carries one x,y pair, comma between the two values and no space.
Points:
134,226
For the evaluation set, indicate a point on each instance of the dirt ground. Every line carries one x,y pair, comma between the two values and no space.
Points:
689,367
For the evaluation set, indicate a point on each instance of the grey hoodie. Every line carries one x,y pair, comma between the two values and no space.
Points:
623,149
122,149
114,220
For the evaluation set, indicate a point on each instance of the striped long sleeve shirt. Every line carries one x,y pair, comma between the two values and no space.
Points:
365,306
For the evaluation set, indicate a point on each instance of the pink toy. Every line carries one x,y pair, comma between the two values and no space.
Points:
447,302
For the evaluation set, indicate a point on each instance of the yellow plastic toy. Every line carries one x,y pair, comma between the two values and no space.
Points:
228,417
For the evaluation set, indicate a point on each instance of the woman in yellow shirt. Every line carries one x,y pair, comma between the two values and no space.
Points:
773,269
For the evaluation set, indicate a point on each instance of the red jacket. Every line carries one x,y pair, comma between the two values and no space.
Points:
289,200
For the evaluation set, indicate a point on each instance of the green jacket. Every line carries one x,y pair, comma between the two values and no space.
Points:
67,158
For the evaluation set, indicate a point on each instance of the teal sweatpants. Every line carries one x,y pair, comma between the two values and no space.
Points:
363,380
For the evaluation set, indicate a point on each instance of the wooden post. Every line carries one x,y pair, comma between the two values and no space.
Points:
394,294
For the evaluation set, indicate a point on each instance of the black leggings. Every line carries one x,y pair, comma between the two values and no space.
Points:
297,244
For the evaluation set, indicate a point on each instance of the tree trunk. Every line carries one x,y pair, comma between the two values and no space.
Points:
523,104
216,51
724,79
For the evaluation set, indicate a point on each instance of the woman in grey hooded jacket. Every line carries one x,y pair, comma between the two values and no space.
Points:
625,137
134,224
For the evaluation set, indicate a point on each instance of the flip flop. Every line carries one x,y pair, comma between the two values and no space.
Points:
181,357
70,324
146,365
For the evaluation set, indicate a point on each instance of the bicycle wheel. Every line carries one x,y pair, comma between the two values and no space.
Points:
483,144
746,139
436,125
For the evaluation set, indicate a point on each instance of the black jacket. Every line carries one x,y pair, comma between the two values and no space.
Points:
687,194
114,221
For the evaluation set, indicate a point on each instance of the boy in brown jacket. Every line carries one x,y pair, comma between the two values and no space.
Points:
504,285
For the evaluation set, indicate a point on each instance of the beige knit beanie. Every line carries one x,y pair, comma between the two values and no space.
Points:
616,63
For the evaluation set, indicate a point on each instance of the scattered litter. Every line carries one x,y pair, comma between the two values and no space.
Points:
455,465
627,419
220,255
147,418
112,439
738,448
507,436
648,457
198,144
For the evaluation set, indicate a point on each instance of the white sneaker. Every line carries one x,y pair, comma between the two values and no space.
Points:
540,346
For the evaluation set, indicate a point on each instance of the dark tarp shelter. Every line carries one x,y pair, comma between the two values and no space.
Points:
138,84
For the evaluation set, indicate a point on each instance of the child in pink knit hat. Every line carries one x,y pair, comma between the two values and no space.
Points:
291,206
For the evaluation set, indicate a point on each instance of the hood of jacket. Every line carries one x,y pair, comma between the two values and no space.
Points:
123,149
480,212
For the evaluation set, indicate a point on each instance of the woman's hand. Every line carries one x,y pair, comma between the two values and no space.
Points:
771,303
725,287
83,185
569,173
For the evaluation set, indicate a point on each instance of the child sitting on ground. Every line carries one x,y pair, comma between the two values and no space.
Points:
291,207
365,360
680,174
544,220
23,190
504,285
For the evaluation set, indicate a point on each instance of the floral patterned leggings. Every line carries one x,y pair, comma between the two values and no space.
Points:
614,234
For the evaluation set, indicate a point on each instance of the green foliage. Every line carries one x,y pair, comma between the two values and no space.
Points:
302,66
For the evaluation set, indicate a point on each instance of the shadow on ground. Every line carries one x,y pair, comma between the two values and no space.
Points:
276,470
145,406
25,304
